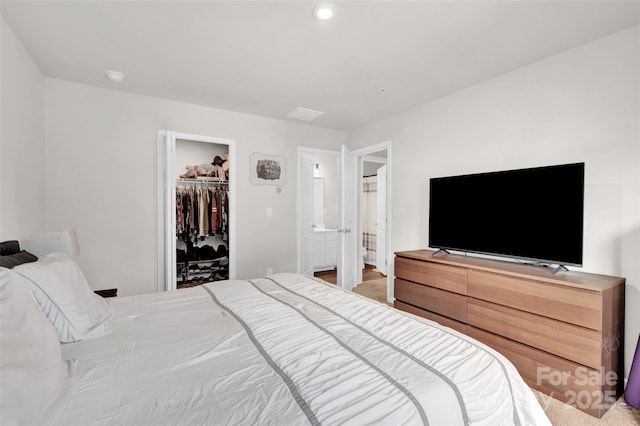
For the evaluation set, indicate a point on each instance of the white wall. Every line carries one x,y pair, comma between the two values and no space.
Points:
22,154
101,180
581,105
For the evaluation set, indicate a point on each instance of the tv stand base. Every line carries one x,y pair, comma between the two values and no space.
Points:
440,251
560,268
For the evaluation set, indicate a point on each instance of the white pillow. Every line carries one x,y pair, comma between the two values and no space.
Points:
61,290
33,377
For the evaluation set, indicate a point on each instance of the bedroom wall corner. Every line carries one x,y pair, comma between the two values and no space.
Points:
22,141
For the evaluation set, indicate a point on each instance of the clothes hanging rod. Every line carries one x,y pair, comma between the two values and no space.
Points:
202,182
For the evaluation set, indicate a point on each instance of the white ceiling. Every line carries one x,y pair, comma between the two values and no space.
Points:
267,57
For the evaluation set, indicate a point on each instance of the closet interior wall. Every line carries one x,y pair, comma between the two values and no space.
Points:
202,219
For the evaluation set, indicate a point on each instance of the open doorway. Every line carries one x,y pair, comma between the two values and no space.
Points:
318,181
373,223
368,269
373,210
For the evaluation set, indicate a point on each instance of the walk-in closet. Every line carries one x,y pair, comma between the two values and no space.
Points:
202,215
197,210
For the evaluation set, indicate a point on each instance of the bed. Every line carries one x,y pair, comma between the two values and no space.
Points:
286,349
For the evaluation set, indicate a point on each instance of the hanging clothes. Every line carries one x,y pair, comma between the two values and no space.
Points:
201,212
213,216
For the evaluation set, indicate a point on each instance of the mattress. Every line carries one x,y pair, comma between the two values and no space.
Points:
286,350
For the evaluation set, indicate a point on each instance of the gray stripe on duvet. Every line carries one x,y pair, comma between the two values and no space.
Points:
412,398
287,380
516,417
463,407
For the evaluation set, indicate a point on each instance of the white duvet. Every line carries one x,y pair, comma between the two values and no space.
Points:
286,350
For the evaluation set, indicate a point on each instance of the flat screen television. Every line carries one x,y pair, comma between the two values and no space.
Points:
533,214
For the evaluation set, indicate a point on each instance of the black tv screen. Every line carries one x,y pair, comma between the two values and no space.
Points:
530,214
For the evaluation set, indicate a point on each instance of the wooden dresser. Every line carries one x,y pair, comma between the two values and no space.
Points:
563,332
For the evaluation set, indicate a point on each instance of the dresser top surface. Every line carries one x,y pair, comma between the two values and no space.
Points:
588,281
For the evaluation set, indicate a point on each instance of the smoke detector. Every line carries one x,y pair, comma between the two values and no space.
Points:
115,76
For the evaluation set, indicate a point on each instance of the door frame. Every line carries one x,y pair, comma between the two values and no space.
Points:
166,203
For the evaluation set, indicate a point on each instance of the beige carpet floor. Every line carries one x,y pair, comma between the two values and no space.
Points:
558,412
562,414
373,289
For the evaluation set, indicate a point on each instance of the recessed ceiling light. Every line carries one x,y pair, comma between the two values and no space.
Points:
115,76
323,12
304,114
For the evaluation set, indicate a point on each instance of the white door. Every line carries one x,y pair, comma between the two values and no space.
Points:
166,207
381,231
305,223
347,226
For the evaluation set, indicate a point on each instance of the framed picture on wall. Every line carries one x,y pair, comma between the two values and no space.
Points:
268,169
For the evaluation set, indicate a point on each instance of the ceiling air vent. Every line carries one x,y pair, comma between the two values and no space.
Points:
304,114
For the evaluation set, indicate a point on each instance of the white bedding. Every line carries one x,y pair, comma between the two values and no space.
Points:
286,350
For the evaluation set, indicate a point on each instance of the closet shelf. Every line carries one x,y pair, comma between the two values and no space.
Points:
203,271
205,277
184,270
218,259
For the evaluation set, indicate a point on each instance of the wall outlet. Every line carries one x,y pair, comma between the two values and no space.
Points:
269,271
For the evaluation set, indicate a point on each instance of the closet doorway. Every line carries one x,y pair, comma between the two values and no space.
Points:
196,209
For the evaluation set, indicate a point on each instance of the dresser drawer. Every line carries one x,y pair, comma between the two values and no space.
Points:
567,381
568,304
451,305
445,277
447,322
569,341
